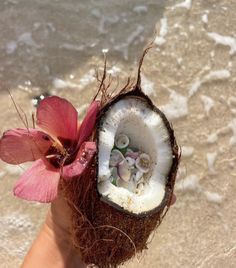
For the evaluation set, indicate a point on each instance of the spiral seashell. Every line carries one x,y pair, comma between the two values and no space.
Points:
121,141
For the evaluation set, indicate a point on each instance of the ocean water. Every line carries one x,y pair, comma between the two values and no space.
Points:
41,40
56,47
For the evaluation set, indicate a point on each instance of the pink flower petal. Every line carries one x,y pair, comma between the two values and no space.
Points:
83,158
21,145
39,183
58,117
88,123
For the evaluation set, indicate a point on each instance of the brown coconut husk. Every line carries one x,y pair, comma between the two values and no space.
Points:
104,234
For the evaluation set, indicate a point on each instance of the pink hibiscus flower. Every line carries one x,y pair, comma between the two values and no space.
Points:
61,149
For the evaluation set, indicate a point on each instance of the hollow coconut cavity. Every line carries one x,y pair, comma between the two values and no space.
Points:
134,155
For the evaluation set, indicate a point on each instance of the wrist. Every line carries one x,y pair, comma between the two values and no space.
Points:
60,239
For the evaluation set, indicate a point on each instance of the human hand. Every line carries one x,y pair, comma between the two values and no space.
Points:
53,246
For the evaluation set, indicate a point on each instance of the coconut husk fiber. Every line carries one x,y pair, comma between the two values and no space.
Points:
104,234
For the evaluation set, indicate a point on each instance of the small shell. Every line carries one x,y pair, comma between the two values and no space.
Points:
124,171
130,161
115,158
143,163
121,141
131,153
138,175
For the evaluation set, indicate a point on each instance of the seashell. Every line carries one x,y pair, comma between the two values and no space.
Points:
143,163
115,158
138,175
130,160
121,141
132,154
124,171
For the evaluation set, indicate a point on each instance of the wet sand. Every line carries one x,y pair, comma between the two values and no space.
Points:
190,75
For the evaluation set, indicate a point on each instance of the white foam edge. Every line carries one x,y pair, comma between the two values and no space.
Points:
177,106
185,4
187,151
224,40
210,77
189,184
208,103
213,197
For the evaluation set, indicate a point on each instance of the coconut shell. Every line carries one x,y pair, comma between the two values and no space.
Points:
104,234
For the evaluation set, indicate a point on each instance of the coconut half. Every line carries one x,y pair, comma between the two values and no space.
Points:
148,132
126,191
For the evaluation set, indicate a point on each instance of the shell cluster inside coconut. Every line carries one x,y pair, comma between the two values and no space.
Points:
124,194
134,155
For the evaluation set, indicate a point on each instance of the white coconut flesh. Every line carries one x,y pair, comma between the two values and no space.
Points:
147,133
